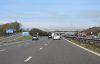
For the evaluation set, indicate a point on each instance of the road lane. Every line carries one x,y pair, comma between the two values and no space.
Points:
52,52
62,52
22,43
16,54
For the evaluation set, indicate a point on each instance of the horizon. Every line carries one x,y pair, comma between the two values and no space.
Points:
50,29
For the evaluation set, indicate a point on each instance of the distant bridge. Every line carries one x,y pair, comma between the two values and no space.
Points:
64,32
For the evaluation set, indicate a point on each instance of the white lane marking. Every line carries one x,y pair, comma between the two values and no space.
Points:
2,50
83,48
29,58
41,48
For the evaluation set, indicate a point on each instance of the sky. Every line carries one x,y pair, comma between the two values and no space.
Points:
51,14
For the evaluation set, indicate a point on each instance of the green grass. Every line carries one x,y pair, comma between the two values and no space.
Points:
93,47
24,38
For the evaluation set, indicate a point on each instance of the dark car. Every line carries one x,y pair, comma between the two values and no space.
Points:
49,36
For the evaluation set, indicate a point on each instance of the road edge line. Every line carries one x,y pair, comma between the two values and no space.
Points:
91,51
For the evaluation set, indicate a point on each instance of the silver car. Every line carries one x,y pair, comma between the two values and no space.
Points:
35,38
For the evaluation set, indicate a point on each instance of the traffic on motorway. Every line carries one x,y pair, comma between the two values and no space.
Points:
49,31
54,36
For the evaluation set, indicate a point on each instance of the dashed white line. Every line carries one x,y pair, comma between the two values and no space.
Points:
41,48
29,58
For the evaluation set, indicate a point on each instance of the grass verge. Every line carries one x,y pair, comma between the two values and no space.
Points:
23,38
93,47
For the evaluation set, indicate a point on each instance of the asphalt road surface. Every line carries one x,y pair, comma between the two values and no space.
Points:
46,51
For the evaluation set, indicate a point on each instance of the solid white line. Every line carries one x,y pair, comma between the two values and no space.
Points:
2,50
83,48
29,58
41,48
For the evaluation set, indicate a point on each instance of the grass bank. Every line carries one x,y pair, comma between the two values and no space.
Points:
24,38
94,47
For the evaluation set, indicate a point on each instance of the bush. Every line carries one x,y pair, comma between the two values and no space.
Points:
34,31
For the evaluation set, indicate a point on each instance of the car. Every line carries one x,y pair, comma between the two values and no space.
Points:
49,36
35,38
56,37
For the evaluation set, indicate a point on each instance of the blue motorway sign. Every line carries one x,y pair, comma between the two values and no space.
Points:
25,33
9,30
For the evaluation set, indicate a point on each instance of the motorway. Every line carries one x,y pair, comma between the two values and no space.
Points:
46,51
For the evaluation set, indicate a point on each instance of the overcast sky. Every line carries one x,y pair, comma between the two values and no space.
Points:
51,14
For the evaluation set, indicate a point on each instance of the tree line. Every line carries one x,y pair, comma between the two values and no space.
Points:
16,26
39,31
94,30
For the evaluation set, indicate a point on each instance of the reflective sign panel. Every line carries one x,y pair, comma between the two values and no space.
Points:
25,33
9,30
